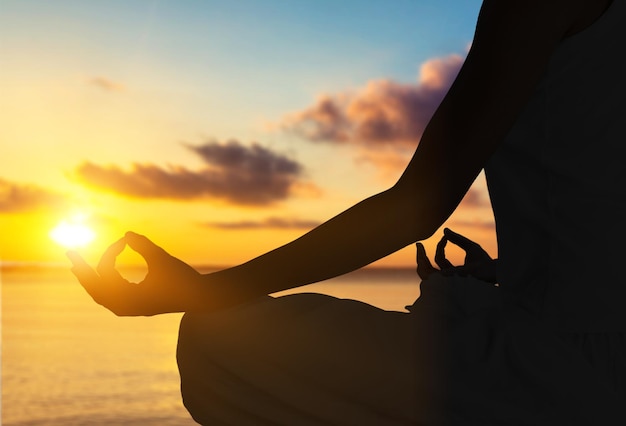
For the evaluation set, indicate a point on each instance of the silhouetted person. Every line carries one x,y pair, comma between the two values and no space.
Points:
539,104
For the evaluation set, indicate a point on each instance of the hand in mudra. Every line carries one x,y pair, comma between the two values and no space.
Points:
171,285
477,263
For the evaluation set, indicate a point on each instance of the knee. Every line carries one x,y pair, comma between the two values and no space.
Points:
193,335
188,329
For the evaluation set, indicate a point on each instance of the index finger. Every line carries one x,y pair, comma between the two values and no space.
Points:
85,273
106,266
473,250
460,240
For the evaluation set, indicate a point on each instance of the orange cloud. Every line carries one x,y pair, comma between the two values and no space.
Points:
383,113
21,198
246,175
478,224
269,223
106,84
476,198
389,163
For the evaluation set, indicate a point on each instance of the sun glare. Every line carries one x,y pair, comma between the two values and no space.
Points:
73,233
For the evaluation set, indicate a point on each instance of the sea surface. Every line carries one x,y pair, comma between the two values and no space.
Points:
67,361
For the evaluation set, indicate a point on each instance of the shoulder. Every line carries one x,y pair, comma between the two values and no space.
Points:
512,46
522,34
521,19
545,18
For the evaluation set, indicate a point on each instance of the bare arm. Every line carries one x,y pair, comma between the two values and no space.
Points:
511,49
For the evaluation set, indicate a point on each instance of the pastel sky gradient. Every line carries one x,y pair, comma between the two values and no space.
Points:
220,129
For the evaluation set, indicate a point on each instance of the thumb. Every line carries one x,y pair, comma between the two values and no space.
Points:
142,245
424,267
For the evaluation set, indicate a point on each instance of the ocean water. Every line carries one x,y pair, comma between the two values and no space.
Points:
67,361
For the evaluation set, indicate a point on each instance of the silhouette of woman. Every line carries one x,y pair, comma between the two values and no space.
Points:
540,105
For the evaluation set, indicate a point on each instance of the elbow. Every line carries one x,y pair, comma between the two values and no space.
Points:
412,209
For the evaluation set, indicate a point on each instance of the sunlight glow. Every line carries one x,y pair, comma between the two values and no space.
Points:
73,233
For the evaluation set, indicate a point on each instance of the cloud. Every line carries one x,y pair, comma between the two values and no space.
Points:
255,159
269,223
383,113
474,212
486,225
476,198
246,175
21,198
389,164
106,84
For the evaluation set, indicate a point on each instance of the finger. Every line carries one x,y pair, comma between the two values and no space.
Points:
106,266
87,277
424,267
472,249
458,239
146,248
76,259
440,254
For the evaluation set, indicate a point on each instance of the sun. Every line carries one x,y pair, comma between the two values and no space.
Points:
73,232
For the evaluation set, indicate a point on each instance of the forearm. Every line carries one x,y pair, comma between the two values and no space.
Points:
490,91
368,231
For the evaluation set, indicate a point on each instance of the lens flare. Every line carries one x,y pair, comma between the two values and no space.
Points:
72,233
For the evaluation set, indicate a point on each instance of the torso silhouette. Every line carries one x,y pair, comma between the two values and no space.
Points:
558,185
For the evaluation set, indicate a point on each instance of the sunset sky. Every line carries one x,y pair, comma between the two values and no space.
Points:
220,129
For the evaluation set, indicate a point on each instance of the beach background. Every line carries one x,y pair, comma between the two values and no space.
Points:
219,129
67,361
